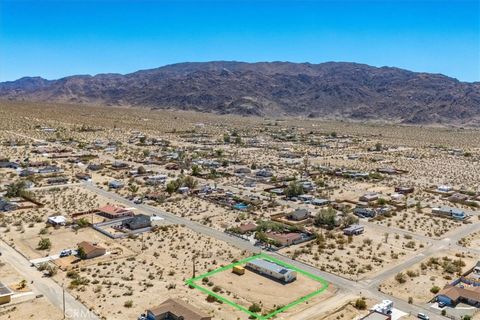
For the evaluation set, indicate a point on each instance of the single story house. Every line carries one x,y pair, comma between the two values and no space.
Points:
139,221
454,213
247,227
299,214
354,229
285,239
115,184
369,197
364,212
175,309
57,220
404,189
271,269
114,212
91,250
7,205
452,295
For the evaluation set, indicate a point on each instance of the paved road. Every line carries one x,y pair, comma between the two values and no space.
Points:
46,286
365,288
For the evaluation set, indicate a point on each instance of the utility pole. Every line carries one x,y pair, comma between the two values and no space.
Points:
63,289
193,266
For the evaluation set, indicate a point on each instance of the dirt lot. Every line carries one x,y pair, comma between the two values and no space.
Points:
254,288
438,270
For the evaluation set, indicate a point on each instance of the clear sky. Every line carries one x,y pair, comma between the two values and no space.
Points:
53,39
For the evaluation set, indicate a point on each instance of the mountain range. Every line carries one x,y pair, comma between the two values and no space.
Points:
337,90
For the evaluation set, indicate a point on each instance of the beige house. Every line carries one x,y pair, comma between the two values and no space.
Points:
91,250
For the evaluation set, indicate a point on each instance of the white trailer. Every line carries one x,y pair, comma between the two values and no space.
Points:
265,267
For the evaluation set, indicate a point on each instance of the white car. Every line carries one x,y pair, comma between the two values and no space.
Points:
422,316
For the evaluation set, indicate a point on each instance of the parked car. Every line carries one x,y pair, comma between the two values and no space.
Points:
441,304
65,253
423,316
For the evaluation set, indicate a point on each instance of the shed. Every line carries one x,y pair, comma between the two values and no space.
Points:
5,294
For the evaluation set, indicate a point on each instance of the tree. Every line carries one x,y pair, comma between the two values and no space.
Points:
361,304
378,146
15,189
81,253
294,189
255,307
172,187
44,244
326,217
141,170
349,219
189,182
196,170
400,277
435,289
143,139
133,188
226,138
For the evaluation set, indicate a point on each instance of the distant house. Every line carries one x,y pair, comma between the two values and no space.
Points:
242,171
94,167
57,180
320,202
139,221
264,173
354,229
8,164
49,169
115,184
118,165
83,176
5,294
7,205
285,239
114,212
57,220
299,215
454,213
444,188
91,250
155,180
175,309
404,189
369,197
458,197
364,212
248,227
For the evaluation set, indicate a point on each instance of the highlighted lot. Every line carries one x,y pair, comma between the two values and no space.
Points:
250,287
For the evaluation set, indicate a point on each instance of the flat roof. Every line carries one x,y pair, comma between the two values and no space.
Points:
262,263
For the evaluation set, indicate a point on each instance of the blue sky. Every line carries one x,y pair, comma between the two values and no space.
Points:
53,39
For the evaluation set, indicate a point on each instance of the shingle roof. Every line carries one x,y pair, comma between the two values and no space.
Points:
180,308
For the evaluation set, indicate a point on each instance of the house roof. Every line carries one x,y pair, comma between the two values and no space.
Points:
247,227
89,247
179,308
112,210
454,293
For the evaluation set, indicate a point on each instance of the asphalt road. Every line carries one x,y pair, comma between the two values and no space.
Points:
74,309
368,288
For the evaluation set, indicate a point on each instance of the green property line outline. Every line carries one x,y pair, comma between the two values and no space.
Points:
325,284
